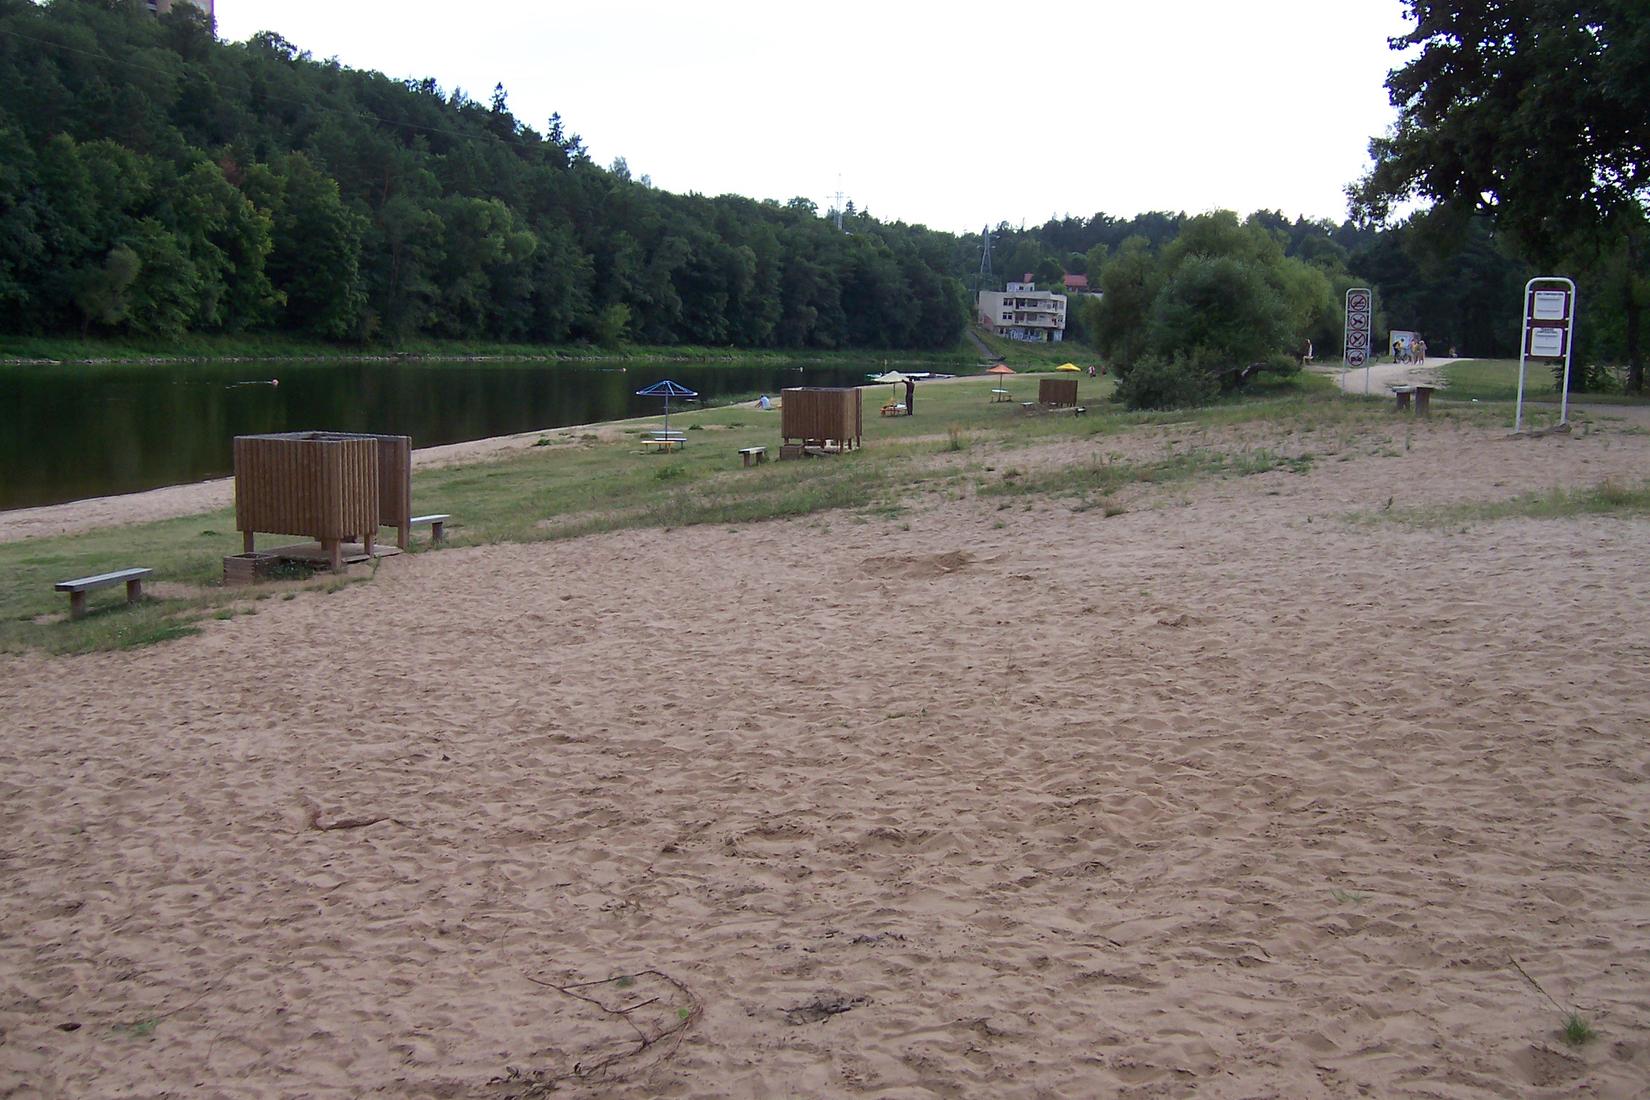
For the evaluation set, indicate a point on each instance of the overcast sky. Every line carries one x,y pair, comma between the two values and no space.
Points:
951,114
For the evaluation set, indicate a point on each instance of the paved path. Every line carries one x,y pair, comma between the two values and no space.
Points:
1377,378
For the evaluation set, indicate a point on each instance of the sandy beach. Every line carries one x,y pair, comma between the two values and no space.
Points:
1248,791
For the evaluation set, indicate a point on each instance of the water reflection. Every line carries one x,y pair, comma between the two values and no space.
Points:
68,432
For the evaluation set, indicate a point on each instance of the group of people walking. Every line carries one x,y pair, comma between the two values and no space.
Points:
1410,350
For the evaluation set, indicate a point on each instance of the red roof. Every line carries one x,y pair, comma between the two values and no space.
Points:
1077,282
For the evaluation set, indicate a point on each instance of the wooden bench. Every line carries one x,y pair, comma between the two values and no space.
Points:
753,455
438,526
78,588
663,443
1422,395
1423,399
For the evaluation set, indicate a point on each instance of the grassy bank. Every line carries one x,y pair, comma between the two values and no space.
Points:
1497,380
196,348
578,483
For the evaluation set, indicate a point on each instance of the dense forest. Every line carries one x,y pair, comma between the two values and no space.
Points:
155,181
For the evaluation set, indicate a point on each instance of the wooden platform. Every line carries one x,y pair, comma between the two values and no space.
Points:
313,553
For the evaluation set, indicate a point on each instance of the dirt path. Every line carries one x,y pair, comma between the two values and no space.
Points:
1377,377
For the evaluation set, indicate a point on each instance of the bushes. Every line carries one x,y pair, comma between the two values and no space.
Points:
1185,381
1191,378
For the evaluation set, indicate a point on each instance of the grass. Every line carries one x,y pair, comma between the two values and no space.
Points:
255,346
1576,1031
587,484
1497,380
1605,499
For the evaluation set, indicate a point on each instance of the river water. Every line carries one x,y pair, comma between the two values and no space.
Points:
70,432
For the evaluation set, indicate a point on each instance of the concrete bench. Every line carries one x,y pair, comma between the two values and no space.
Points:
78,588
438,526
753,455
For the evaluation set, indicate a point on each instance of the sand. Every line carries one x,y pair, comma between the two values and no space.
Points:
1226,795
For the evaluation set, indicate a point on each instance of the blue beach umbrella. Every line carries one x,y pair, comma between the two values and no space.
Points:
666,389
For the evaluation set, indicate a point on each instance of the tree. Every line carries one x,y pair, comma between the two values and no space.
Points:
316,255
1222,305
101,292
1117,319
1533,111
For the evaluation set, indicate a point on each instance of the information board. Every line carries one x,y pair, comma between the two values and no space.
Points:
1549,333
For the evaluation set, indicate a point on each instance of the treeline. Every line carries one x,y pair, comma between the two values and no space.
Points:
1461,287
156,181
1460,282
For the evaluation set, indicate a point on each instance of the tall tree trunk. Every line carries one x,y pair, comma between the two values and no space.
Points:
1630,301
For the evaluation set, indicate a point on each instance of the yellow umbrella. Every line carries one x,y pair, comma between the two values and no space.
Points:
1069,367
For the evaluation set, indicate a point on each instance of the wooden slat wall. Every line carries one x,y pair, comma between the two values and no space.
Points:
317,484
1057,391
822,413
394,479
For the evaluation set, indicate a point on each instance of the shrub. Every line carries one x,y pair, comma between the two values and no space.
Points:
1186,381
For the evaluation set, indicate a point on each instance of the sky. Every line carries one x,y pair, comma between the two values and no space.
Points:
953,115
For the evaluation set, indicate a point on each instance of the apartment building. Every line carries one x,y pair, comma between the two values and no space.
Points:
1023,312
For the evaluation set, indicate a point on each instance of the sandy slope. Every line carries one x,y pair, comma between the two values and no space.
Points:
1224,795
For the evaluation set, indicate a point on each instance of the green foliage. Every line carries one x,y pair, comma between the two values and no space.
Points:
612,325
1221,308
1535,113
1187,380
259,190
1118,318
1577,1031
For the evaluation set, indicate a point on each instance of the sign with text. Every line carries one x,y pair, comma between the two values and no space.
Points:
1359,310
1547,343
1549,333
1550,305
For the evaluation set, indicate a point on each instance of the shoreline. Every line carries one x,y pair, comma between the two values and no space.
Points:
199,497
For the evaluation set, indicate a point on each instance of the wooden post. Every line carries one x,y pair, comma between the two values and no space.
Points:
134,590
77,605
246,541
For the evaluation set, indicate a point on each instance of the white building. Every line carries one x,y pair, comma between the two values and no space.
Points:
1023,312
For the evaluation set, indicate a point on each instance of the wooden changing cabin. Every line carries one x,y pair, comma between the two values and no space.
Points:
333,487
819,420
1058,392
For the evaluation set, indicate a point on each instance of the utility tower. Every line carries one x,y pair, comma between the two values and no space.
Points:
985,277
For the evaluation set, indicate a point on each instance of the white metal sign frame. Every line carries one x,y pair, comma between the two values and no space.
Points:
1549,333
1359,309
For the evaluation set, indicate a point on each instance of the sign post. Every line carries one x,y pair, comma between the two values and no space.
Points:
1549,334
1358,311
